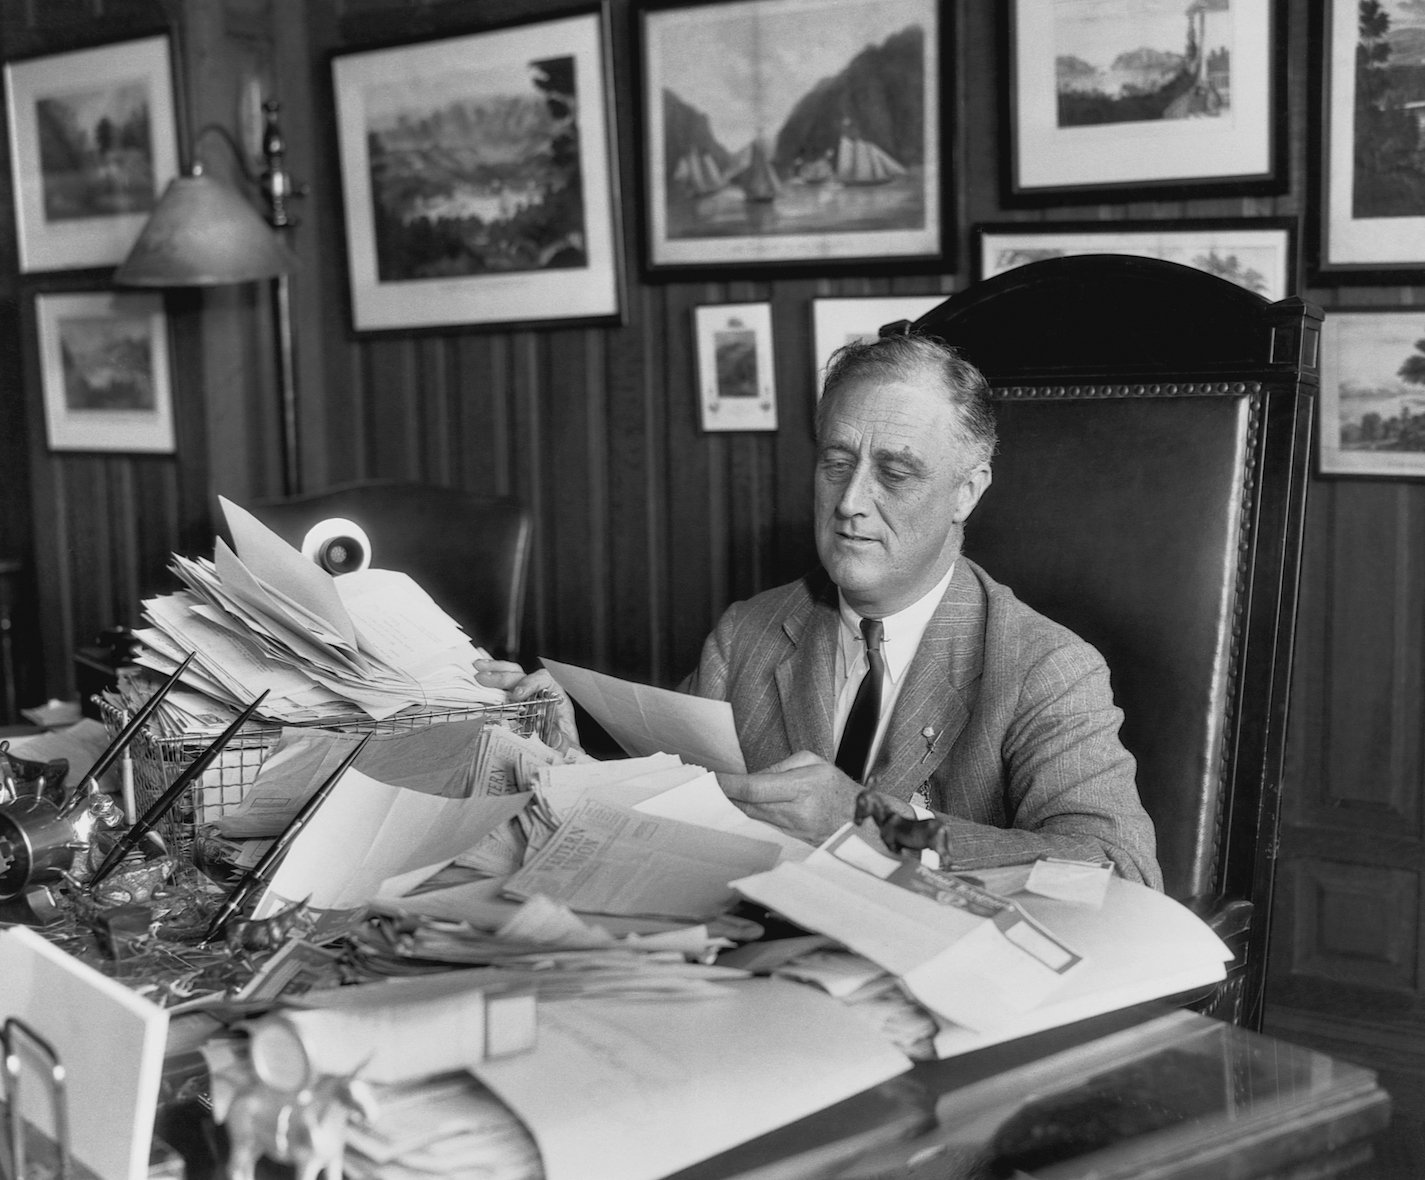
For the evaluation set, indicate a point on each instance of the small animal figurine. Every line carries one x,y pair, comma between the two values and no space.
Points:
246,937
305,1127
900,833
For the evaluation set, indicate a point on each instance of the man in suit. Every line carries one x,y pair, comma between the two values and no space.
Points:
993,717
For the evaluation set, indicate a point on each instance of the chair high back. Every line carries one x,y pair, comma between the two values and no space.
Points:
1149,493
470,553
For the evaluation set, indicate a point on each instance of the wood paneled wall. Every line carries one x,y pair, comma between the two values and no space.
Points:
646,526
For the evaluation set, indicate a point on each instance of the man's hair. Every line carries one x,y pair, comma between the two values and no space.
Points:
911,358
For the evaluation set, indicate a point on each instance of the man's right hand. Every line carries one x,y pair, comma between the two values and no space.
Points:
521,685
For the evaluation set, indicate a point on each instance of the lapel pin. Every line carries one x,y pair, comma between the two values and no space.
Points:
928,733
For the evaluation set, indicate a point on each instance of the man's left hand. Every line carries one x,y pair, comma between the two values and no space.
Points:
804,795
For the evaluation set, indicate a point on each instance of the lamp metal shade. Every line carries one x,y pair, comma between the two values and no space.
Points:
202,233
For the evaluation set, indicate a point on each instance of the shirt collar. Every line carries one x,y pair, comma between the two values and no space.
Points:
902,631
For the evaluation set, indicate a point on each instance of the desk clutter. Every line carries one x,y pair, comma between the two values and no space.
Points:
362,916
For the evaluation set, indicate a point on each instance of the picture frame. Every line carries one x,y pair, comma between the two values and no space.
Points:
105,375
1367,186
93,145
1200,106
494,199
1258,253
839,321
794,134
1372,420
737,387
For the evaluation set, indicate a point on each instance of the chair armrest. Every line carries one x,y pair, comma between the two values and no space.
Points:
1228,917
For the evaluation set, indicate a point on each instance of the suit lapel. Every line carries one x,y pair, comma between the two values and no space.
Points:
935,701
802,678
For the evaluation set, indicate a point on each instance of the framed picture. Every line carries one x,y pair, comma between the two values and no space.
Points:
786,132
478,178
1373,393
737,387
104,371
1257,253
93,144
1109,99
1371,184
842,321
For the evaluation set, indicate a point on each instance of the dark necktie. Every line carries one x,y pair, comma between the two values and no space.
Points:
865,712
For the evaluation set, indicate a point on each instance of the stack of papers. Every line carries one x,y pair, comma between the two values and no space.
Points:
988,967
260,616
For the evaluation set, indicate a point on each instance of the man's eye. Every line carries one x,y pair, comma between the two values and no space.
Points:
836,468
893,477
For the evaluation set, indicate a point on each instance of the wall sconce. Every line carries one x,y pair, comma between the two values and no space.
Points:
202,233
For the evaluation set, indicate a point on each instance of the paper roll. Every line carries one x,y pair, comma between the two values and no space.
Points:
389,1037
338,545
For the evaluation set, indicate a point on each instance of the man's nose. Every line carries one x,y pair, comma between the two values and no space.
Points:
855,494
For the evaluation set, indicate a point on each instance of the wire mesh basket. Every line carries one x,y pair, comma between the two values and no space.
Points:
158,760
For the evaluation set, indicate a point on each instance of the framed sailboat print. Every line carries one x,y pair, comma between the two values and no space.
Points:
793,134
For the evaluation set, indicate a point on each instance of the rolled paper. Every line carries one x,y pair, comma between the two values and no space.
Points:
391,1032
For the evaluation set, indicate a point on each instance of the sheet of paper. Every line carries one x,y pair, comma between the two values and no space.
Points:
701,801
644,720
483,905
432,759
621,1090
611,860
110,1041
1070,880
368,832
283,568
1139,945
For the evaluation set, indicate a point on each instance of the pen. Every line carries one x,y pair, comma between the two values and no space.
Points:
258,873
164,803
90,782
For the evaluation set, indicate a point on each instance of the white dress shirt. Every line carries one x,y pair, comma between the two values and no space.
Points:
899,642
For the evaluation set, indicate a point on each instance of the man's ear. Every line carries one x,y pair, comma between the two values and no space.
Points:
972,487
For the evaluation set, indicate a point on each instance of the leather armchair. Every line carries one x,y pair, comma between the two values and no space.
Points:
1149,494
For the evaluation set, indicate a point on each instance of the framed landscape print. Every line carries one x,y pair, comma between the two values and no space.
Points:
842,321
1259,254
104,371
1373,393
785,132
1371,197
1111,97
736,384
479,180
93,144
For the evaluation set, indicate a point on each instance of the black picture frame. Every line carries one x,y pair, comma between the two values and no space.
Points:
1079,144
533,239
1365,231
1261,254
756,167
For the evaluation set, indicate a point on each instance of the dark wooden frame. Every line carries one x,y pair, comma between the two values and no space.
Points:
1271,177
1399,255
507,299
813,252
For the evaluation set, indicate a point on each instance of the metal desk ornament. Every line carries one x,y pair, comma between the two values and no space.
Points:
41,832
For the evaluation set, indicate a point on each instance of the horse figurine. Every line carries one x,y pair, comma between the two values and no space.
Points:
305,1127
900,833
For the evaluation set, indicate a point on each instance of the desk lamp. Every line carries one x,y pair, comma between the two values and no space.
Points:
203,233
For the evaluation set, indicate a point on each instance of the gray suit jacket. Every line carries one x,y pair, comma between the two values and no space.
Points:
1006,718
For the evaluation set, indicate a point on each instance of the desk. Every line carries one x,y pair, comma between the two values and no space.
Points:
1203,1101
1152,1093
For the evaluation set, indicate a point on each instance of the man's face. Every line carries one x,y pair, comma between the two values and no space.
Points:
891,492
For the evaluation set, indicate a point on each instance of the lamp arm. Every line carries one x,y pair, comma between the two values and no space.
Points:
275,182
